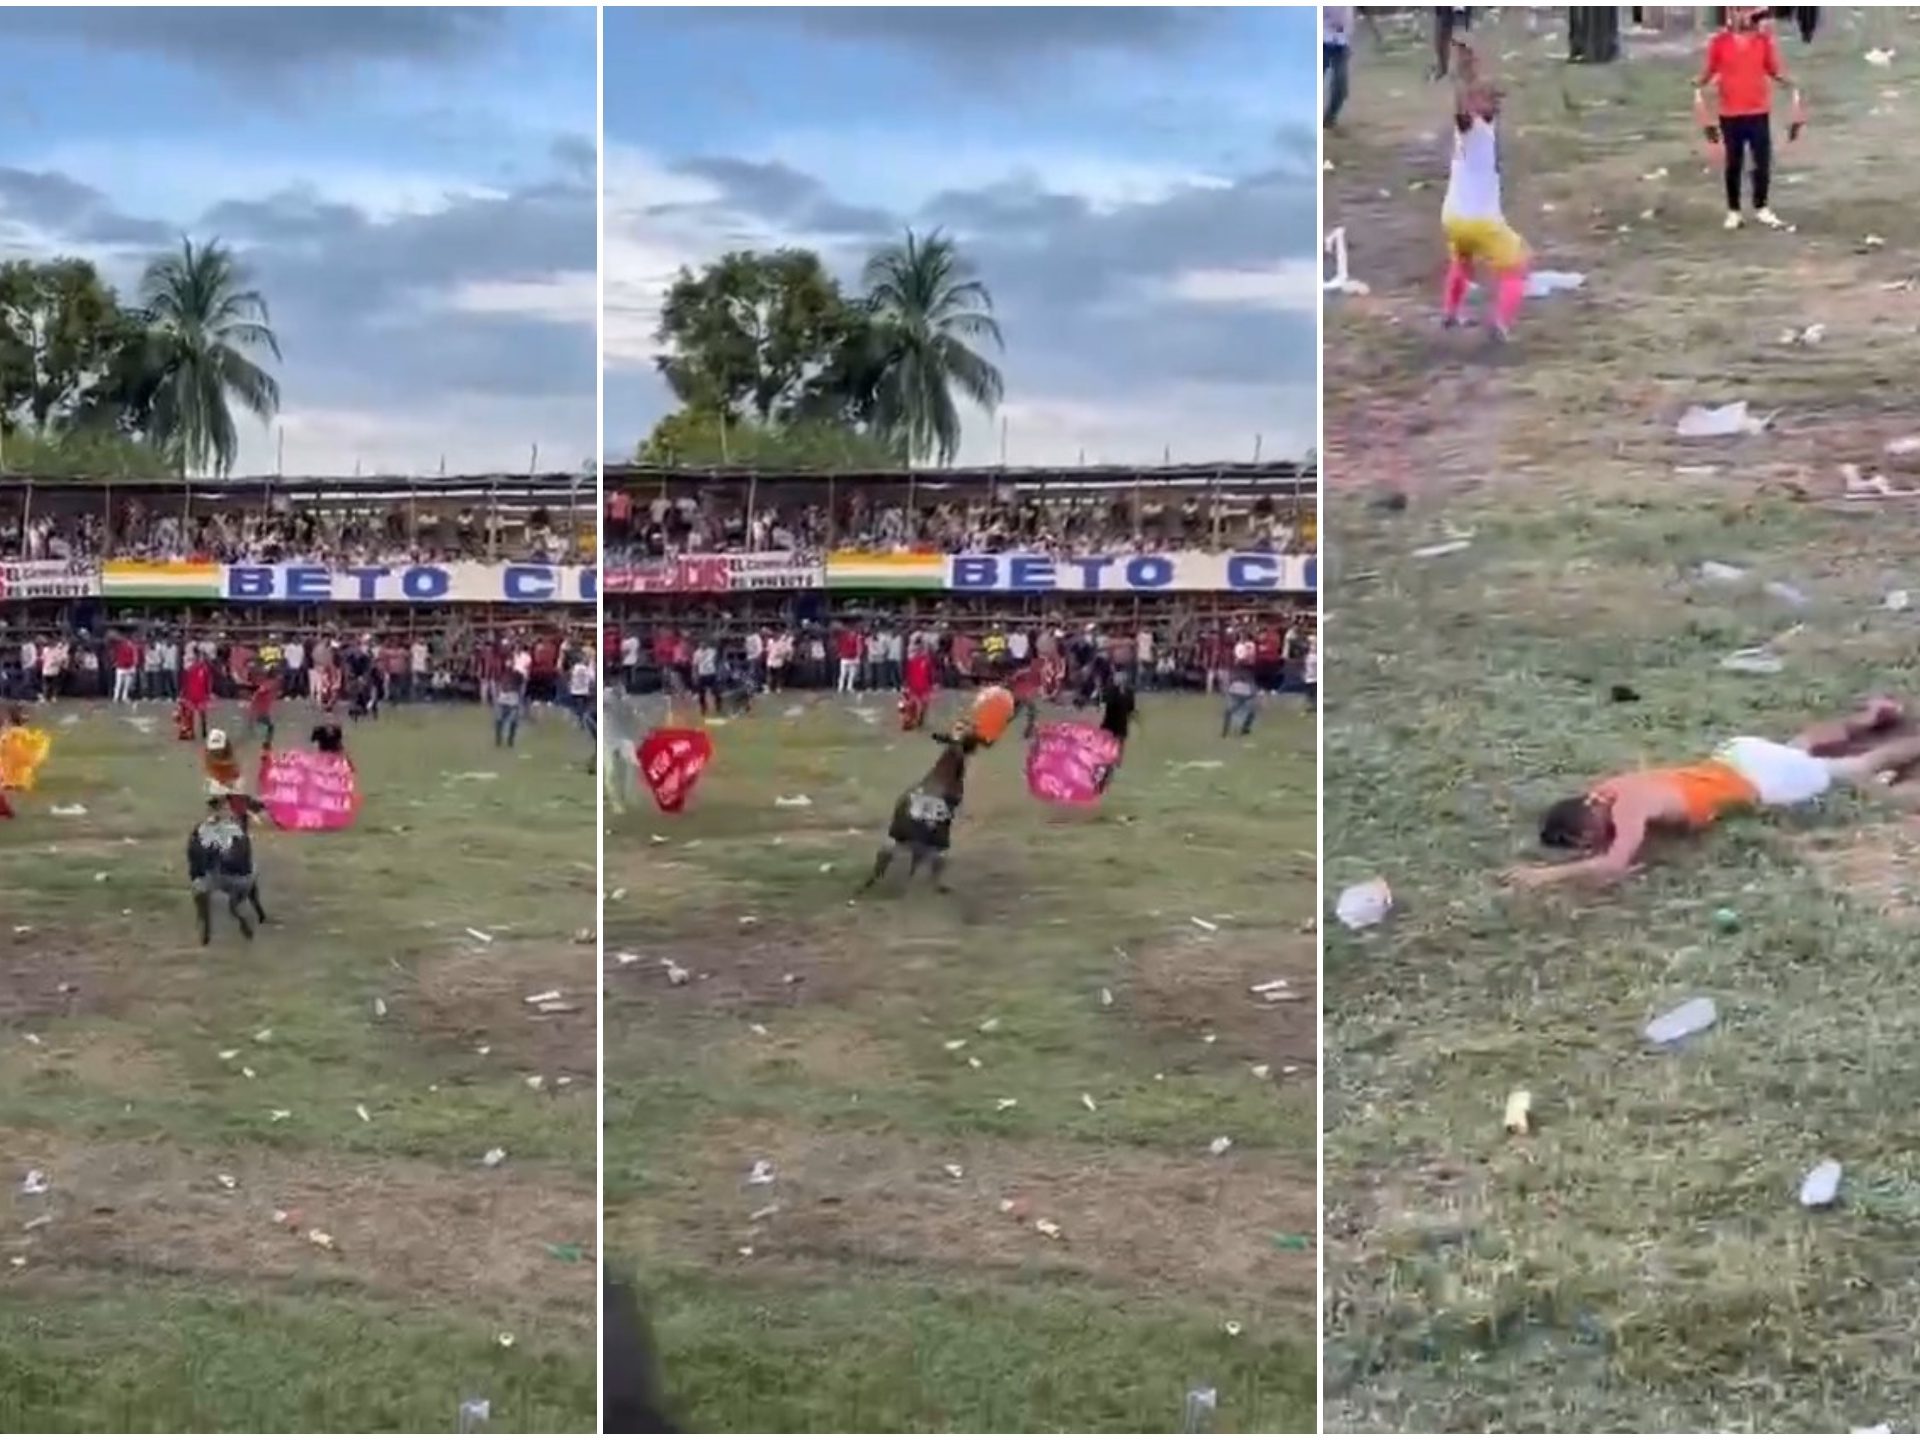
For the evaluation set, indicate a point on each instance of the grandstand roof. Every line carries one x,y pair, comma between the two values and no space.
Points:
550,485
1285,475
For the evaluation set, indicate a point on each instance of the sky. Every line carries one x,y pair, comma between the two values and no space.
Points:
1136,187
412,189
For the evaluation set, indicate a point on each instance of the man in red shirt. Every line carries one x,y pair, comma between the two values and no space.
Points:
918,695
126,663
266,690
1743,65
196,696
849,649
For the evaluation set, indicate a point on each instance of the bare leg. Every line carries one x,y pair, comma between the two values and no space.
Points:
1896,755
1838,737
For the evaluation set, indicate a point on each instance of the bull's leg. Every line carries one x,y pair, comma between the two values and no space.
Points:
881,863
253,894
914,857
937,868
233,909
203,912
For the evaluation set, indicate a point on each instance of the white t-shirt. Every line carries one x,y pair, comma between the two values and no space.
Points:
705,660
755,645
779,651
1243,649
582,683
629,650
523,663
1310,667
1017,645
1473,187
296,655
1143,646
419,657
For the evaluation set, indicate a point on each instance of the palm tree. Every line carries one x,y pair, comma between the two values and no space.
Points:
202,319
927,308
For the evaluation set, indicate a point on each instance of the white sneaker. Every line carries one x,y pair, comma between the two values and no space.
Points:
1733,220
1767,218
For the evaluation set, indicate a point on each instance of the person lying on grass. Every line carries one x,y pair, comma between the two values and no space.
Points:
1613,821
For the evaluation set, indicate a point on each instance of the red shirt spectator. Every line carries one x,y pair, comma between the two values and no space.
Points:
920,674
1746,63
125,656
849,644
197,689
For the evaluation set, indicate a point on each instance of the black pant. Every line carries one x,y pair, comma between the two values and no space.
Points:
1743,133
1446,20
1333,64
1807,17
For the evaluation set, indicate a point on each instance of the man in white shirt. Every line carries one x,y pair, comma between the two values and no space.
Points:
1143,659
706,674
580,691
630,661
757,659
779,656
295,655
1336,49
1310,672
419,670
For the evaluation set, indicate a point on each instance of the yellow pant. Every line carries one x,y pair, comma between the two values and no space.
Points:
1491,242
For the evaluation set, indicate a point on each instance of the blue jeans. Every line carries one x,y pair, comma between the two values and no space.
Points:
506,722
1242,706
1333,64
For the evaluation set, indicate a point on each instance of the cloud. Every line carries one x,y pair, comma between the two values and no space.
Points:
241,42
998,39
1176,318
44,202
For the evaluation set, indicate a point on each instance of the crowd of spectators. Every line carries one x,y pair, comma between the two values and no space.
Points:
868,653
642,527
40,662
280,533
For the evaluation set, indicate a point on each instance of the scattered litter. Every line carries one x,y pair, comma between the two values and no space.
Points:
482,936
493,1157
320,1238
361,1111
791,978
36,1183
227,1182
1209,1038
229,1054
247,1070
1790,594
625,957
1822,1185
567,1252
1197,764
1520,1112
1877,56
1898,600
1106,997
1445,547
1284,1240
1715,570
757,1028
379,1008
1087,1100
1232,1327
973,1062
617,894
1201,1404
1220,1145
545,997
1904,445
1206,925
474,1414
676,974
987,1027
1267,989
276,1116
1691,1018
37,1222
99,877
1757,661
1048,1229
261,1037
1873,242
536,1082
794,712
954,1172
1726,920
1542,283
765,1212
506,1339
1261,1072
747,922
761,1174
1806,335
956,1044
1364,905
68,812
792,802
1715,422
1004,1104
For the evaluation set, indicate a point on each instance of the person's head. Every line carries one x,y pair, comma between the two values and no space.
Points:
1576,823
1745,17
1483,100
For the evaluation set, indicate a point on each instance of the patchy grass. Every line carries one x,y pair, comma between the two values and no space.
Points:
1640,1264
137,1069
883,1293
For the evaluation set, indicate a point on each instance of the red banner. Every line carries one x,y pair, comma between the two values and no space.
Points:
1069,764
671,762
309,789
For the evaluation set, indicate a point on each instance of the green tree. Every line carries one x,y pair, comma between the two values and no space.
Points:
81,454
930,312
700,438
60,325
202,319
751,334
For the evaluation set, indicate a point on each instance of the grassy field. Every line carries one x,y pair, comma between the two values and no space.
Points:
1641,1263
862,1050
176,1097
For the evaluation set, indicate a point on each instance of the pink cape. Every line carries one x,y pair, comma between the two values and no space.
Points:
1066,763
309,789
671,762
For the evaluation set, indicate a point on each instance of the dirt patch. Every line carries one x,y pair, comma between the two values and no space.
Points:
1203,985
398,1227
754,967
473,995
105,1060
1141,1221
45,975
1874,867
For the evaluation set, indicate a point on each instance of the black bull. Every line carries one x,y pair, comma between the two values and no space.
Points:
220,858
